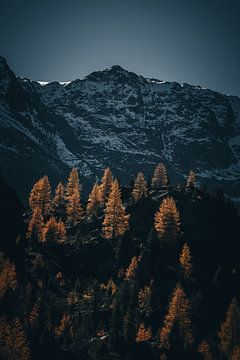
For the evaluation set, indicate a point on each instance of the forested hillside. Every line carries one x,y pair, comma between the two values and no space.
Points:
145,271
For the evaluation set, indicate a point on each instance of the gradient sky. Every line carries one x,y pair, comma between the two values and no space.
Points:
194,41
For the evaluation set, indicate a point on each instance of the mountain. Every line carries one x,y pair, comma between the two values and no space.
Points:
119,119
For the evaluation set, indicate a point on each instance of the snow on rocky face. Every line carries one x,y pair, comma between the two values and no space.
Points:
119,119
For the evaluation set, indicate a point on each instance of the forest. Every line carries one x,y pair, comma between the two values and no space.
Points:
145,271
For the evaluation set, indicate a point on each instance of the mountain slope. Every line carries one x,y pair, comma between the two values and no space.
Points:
119,119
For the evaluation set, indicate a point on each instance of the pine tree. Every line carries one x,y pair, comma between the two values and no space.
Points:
160,179
132,269
54,231
74,208
167,221
35,226
177,323
59,198
191,180
94,202
229,333
185,260
115,221
139,188
143,334
105,186
40,196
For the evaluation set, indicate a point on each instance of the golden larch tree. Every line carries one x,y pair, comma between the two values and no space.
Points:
185,261
143,334
191,180
132,268
40,196
167,221
35,226
94,201
75,212
105,186
54,231
140,187
59,198
159,179
115,221
178,320
229,333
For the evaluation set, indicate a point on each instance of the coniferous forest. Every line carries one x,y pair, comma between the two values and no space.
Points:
145,271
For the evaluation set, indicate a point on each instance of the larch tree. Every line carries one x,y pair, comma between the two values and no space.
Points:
132,269
185,261
73,196
159,179
191,180
40,196
143,334
35,226
54,231
94,201
59,198
167,221
115,221
140,187
229,333
105,186
177,324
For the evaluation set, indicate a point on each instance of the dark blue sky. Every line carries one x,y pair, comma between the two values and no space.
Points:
195,41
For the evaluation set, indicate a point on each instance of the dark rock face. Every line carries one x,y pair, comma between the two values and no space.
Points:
119,119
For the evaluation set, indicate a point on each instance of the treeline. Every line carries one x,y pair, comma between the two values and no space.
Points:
118,277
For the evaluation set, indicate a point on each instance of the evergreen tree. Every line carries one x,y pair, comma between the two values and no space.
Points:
35,226
229,333
54,231
74,208
115,221
191,180
94,202
159,179
139,188
40,196
143,334
177,324
186,261
105,186
167,221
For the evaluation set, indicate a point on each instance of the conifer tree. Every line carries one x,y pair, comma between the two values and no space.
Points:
144,299
204,350
59,198
177,323
143,334
35,226
229,333
8,276
160,179
115,221
94,202
54,231
40,196
131,270
139,188
185,260
167,221
105,186
191,180
74,208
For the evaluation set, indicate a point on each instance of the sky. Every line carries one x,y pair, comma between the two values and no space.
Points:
191,41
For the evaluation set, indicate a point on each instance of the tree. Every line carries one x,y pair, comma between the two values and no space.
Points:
159,179
144,299
177,323
143,334
132,269
59,198
105,186
54,231
167,221
13,341
235,354
185,260
139,188
35,226
94,201
115,221
204,350
191,180
74,208
8,276
229,333
40,196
